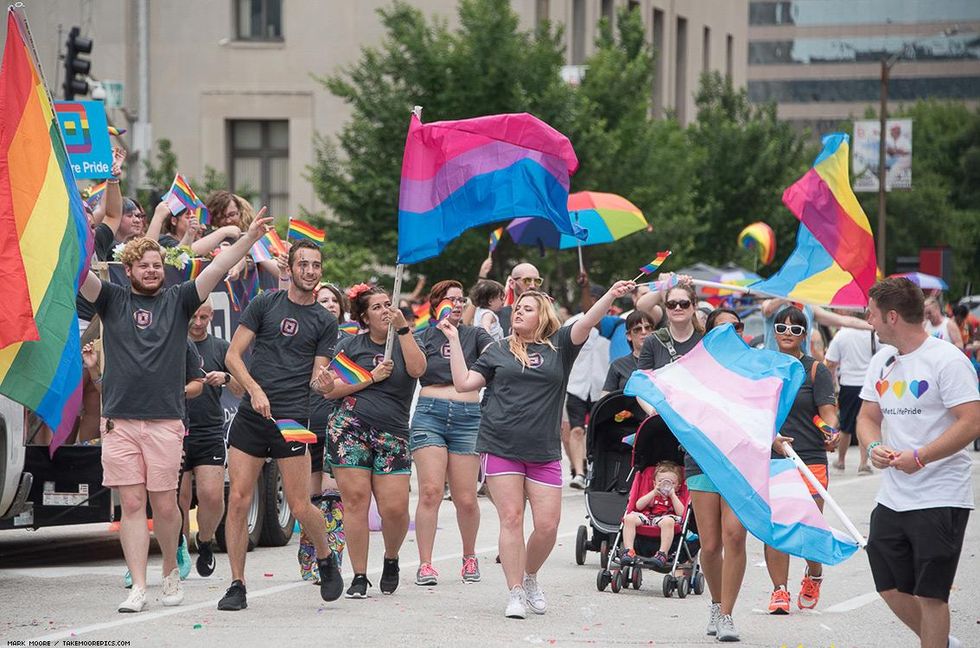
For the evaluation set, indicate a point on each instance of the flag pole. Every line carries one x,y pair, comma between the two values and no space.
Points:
822,492
581,265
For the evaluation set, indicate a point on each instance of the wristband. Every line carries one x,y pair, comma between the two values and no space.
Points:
918,462
98,381
872,446
403,330
112,180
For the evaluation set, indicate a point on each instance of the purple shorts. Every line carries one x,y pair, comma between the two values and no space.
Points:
546,473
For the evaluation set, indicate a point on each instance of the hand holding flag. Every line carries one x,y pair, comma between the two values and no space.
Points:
294,432
444,309
349,371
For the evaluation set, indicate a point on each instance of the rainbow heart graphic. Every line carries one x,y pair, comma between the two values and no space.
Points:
899,388
918,387
882,387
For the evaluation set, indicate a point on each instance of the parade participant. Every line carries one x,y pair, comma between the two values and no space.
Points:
488,298
443,438
682,333
926,393
660,506
523,277
367,437
814,315
639,326
939,326
967,323
113,231
519,429
225,209
143,401
815,396
204,445
185,229
294,339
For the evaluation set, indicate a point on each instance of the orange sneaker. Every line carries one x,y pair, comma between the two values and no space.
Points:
779,601
809,592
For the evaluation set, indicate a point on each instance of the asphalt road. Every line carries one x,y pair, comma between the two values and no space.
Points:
63,585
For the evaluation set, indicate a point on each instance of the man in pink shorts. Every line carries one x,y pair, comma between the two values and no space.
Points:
145,341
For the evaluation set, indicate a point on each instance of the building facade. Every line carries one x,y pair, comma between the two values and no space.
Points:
820,60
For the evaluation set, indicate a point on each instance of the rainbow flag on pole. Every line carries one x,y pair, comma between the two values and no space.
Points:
349,371
495,237
299,230
268,247
45,244
724,402
656,263
462,174
181,196
294,432
94,194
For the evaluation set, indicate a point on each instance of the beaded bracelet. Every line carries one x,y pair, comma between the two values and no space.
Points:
872,446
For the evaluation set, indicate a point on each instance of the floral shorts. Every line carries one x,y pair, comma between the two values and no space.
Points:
351,443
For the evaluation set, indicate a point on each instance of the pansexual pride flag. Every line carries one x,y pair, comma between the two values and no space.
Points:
724,402
460,174
299,230
45,245
294,432
349,371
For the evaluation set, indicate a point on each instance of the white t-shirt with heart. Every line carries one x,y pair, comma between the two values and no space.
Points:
915,392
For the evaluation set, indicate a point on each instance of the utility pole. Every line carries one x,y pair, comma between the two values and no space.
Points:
882,173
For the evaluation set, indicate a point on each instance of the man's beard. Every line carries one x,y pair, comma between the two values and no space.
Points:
141,288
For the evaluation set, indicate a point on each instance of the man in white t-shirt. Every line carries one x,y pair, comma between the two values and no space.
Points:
926,390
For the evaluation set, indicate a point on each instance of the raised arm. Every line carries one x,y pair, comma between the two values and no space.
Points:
91,287
464,379
827,318
219,267
581,328
160,214
204,245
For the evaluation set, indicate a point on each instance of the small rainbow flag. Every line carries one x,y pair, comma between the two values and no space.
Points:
349,371
495,237
231,296
298,230
194,267
443,310
294,432
268,247
94,194
351,328
829,432
656,263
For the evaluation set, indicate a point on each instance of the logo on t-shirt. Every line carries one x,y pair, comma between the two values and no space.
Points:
378,359
914,388
444,351
143,318
534,360
289,327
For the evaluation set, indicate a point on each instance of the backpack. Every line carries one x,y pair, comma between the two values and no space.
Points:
663,336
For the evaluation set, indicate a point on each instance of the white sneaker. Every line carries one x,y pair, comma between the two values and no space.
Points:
715,614
726,629
953,642
578,481
534,595
173,592
136,601
515,604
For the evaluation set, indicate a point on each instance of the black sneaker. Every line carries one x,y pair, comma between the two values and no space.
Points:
389,576
234,598
358,587
205,557
331,582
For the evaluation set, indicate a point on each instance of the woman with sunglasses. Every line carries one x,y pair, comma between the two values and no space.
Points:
682,333
443,437
816,396
520,440
639,326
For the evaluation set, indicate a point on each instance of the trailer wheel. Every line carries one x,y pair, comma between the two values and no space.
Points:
277,520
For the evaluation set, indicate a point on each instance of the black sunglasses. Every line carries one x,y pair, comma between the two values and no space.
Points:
683,304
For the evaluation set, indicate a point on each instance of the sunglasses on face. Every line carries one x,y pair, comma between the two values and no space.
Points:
641,328
682,304
530,281
792,329
738,326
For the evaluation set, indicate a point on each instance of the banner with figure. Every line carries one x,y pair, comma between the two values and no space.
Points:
898,154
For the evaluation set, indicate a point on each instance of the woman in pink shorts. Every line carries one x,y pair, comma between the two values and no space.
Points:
519,439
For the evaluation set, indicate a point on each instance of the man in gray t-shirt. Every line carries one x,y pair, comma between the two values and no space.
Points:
145,339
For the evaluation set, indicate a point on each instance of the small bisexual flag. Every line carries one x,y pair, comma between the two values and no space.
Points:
495,237
351,328
829,431
349,371
444,309
299,230
294,432
656,263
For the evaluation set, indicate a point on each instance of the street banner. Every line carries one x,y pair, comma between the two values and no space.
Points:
86,133
898,154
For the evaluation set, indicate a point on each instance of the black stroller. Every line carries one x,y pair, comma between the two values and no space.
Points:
653,443
609,459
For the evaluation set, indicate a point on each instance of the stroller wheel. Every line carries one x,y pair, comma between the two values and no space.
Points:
617,581
637,578
668,585
580,540
699,583
604,554
602,580
683,587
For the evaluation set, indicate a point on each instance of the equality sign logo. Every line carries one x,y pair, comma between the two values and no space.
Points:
86,133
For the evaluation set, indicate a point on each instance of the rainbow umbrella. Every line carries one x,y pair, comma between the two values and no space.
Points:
606,216
923,280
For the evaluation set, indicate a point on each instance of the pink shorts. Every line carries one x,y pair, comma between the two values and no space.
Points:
546,473
142,452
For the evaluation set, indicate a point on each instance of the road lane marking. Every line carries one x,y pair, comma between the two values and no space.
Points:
853,603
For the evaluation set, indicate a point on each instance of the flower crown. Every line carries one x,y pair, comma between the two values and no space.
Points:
357,290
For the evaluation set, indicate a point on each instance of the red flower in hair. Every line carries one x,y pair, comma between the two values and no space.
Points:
355,291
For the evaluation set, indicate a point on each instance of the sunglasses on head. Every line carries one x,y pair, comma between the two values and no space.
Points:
792,329
683,304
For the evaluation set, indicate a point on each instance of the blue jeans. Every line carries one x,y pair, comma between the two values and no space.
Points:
445,423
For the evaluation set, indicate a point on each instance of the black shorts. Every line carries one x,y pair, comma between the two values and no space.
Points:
849,401
316,452
203,451
259,437
578,410
916,552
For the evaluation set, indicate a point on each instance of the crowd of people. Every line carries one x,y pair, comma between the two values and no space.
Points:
501,387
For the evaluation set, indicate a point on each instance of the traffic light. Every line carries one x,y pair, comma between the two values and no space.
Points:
75,65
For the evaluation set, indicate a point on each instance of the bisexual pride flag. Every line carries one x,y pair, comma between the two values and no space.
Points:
724,402
461,174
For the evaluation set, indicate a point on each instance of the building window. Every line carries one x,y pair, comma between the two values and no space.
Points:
865,49
578,32
811,13
706,50
259,20
260,162
729,55
540,11
680,71
658,63
609,11
831,90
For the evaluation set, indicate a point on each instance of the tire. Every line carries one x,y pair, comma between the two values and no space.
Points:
253,520
683,588
604,554
580,539
617,581
602,580
699,583
636,578
278,520
668,585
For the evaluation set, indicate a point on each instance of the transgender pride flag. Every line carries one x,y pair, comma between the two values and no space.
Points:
461,174
724,401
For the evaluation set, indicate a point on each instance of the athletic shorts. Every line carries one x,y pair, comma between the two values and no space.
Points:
849,401
142,452
259,437
546,473
316,452
578,410
446,424
820,472
701,483
916,552
352,443
206,450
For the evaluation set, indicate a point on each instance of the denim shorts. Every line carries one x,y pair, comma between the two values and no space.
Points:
445,423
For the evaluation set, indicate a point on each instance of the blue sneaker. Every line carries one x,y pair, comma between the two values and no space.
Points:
183,558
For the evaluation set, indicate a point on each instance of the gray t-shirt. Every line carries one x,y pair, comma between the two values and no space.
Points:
807,437
504,317
105,241
207,416
145,347
435,346
384,405
288,338
193,370
521,414
619,373
321,408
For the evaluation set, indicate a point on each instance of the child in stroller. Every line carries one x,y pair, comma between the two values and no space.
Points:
659,507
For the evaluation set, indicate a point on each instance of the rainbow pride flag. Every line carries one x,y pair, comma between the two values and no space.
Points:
724,402
294,432
45,245
268,247
93,196
298,230
656,263
444,309
194,268
495,237
461,174
349,371
351,328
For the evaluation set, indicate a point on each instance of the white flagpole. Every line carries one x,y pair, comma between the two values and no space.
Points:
817,486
